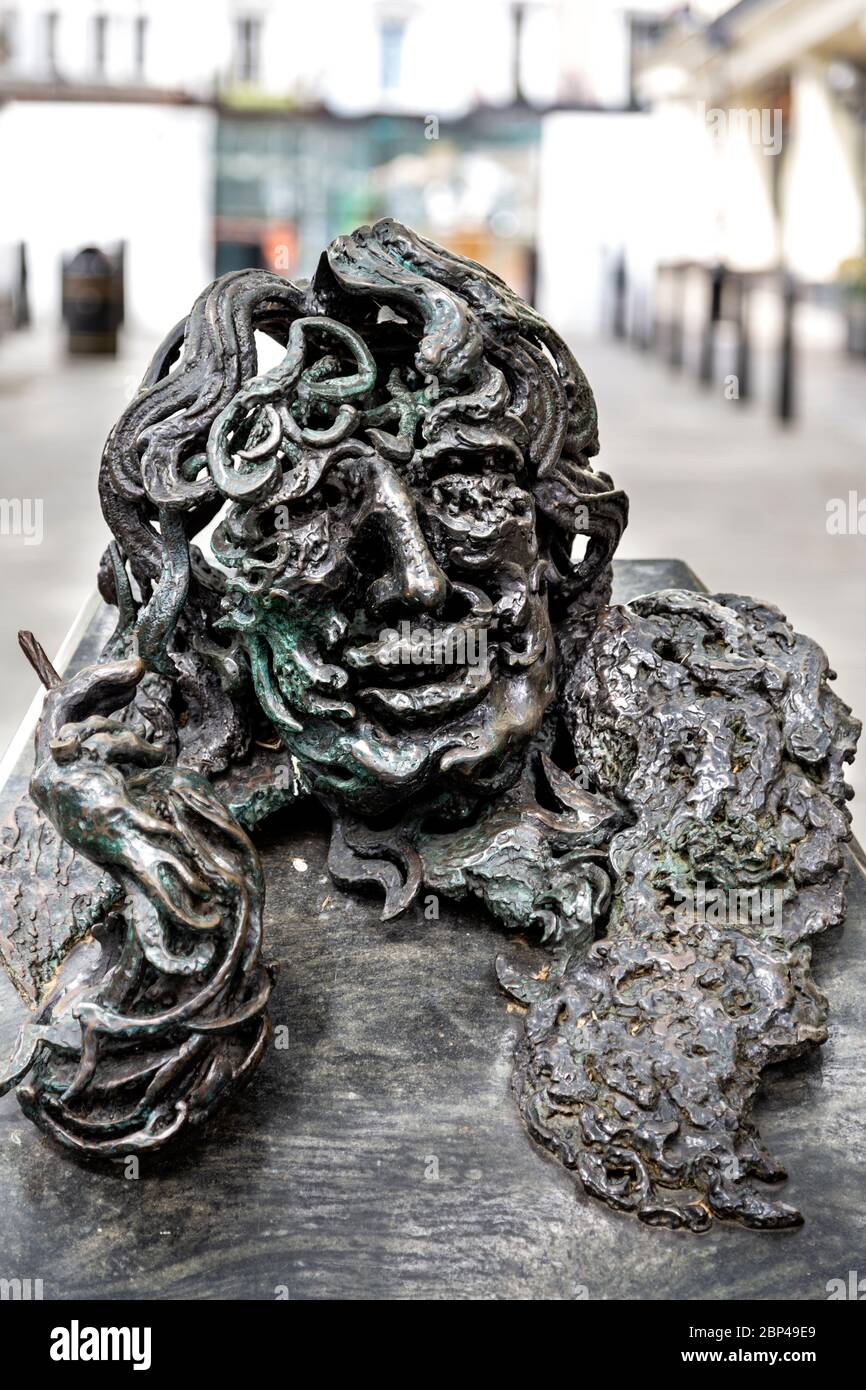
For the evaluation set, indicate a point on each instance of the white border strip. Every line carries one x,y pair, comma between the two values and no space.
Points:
26,729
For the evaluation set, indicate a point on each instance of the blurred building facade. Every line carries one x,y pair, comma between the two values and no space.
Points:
218,132
775,91
402,55
552,139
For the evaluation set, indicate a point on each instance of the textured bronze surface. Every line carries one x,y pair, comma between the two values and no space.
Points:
399,626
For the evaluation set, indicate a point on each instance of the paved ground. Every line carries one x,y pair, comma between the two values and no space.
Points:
713,481
55,413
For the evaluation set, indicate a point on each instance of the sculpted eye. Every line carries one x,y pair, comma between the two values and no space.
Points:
333,493
481,505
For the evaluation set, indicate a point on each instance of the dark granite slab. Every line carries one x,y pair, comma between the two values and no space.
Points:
380,1154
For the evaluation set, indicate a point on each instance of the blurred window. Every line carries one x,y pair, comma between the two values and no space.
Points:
392,32
100,44
139,44
645,32
248,49
8,37
50,26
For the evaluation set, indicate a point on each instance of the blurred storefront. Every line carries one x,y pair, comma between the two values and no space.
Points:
286,185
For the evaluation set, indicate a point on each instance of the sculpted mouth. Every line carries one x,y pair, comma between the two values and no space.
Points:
406,649
431,699
419,674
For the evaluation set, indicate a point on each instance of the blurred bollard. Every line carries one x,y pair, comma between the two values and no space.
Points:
120,262
716,286
642,326
786,398
667,314
620,296
92,301
744,344
21,296
855,327
727,302
676,326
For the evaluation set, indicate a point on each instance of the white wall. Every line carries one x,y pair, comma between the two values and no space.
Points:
76,173
747,237
823,198
636,182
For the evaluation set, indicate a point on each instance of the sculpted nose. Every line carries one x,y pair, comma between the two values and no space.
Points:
413,579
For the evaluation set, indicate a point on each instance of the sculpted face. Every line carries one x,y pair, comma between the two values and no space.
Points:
399,497
389,592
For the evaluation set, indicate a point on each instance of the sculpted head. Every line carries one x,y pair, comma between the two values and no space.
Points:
400,496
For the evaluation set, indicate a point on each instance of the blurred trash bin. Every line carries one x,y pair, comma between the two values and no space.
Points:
92,300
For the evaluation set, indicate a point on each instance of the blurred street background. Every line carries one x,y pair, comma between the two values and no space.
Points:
681,189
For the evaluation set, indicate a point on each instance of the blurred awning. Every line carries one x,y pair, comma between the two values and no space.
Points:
748,46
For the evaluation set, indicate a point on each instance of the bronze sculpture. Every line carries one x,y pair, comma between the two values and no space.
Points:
393,623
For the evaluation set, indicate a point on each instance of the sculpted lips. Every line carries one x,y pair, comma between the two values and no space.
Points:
432,699
426,672
423,673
